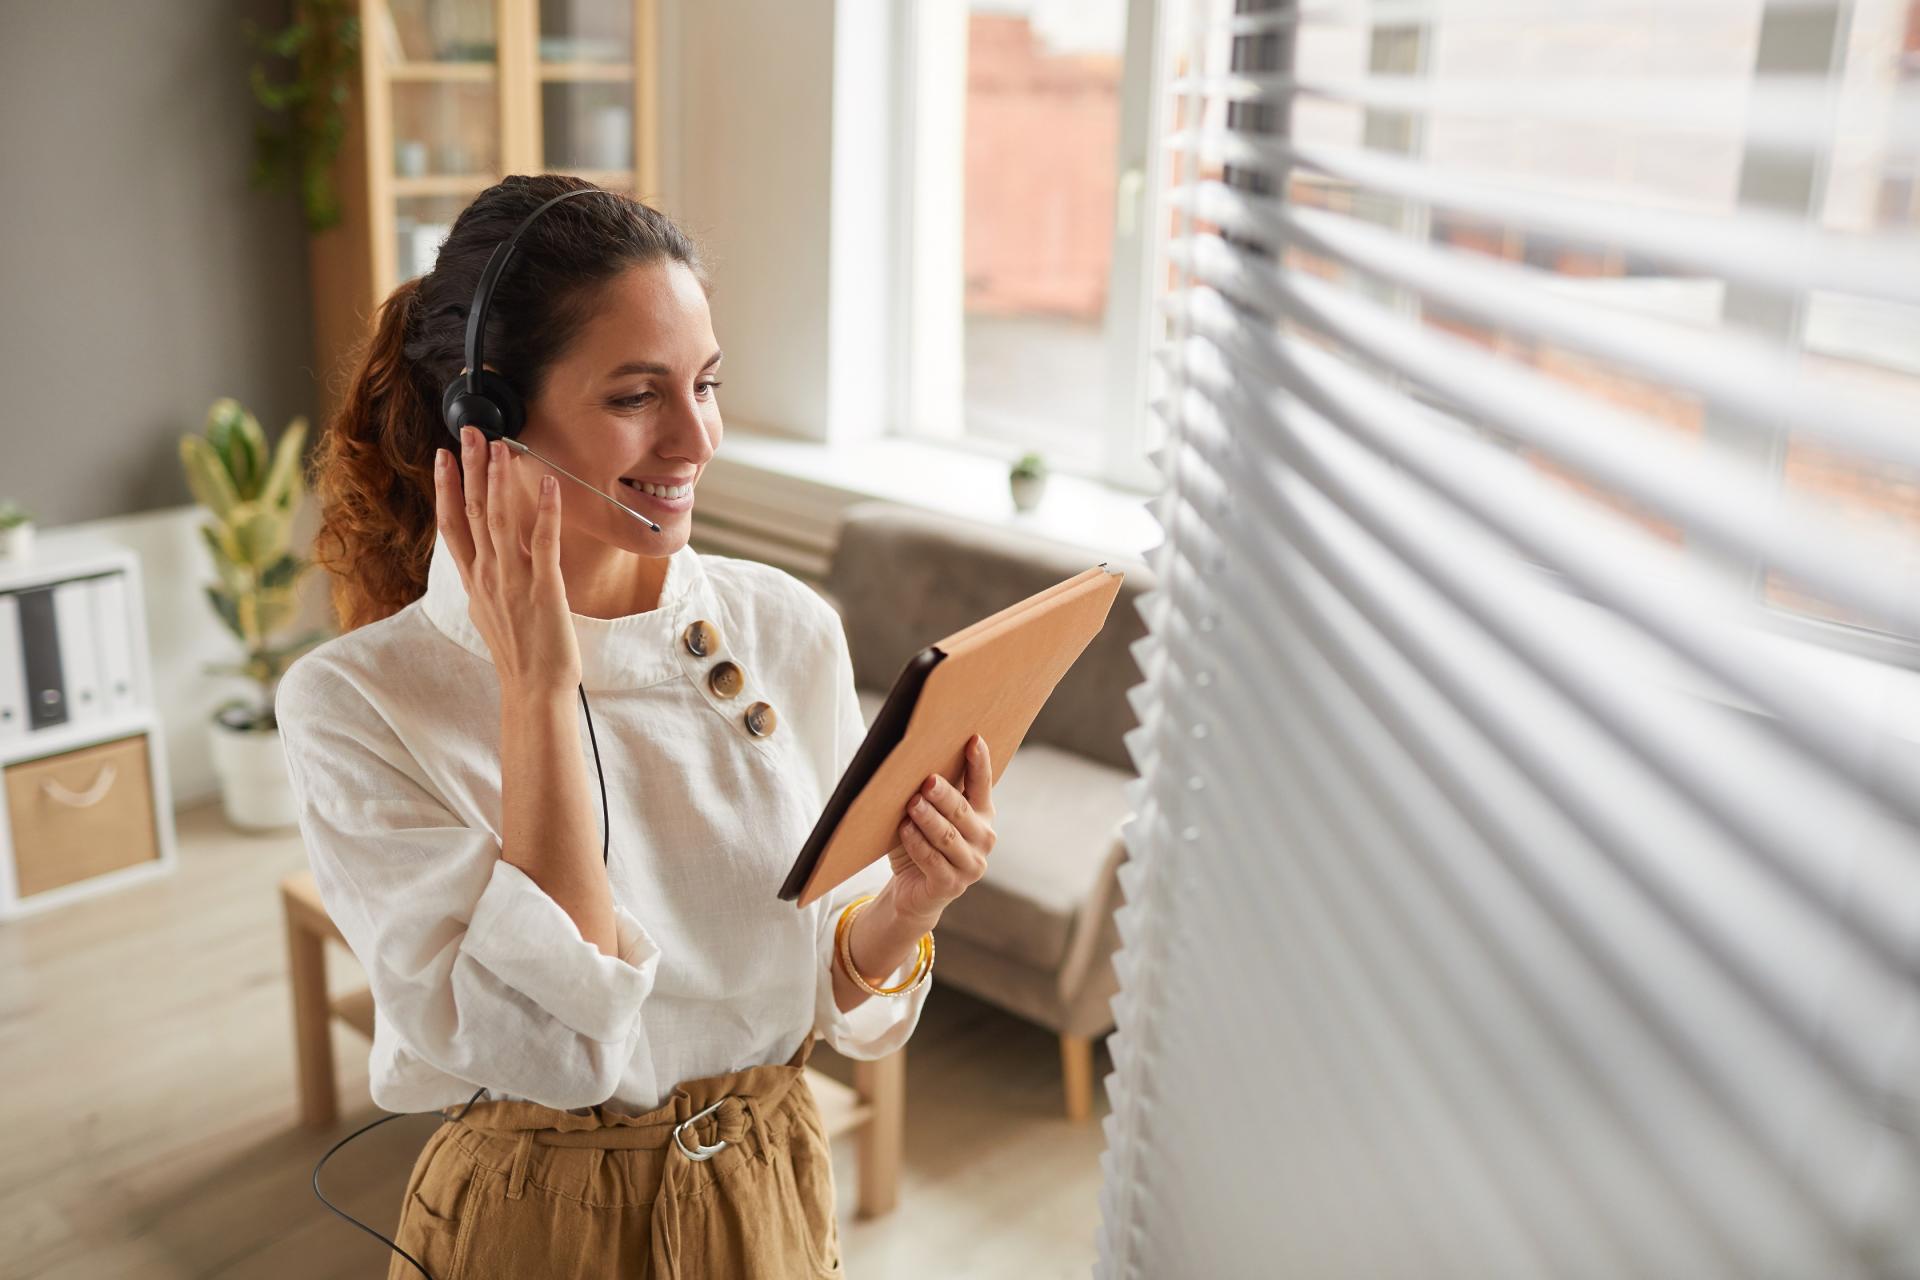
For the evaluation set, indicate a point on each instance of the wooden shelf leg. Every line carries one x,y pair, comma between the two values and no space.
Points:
883,1085
312,1024
1076,1065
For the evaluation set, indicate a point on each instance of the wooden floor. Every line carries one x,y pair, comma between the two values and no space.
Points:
147,1109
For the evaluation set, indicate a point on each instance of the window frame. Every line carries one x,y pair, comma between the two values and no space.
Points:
1821,47
927,376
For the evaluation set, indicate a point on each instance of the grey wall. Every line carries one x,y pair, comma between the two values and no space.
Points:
140,276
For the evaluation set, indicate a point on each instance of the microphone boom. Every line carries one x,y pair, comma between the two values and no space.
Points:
521,448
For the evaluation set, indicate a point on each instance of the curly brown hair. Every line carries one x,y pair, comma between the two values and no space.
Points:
372,471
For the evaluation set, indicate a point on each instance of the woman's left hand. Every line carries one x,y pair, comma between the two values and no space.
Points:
945,840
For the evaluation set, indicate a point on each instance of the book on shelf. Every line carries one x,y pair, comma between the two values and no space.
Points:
66,654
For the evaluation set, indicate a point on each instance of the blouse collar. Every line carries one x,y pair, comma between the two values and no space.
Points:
615,653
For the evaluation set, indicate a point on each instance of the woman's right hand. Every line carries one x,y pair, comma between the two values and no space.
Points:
515,595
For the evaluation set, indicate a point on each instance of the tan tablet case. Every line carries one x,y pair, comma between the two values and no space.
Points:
990,678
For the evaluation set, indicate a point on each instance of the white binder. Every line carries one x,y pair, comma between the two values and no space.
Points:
13,670
79,665
113,632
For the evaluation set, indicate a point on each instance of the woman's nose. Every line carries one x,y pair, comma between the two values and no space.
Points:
685,431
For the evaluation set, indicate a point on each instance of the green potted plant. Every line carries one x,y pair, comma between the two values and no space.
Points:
16,531
251,498
320,56
1029,480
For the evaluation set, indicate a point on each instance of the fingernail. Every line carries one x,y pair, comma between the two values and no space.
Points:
439,460
918,804
546,484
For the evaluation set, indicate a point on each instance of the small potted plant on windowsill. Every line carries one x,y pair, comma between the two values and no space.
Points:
252,501
16,531
1029,480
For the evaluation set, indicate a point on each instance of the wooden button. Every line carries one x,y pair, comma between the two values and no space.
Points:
702,638
760,719
726,679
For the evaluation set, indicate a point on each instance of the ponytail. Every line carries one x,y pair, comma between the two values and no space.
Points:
372,472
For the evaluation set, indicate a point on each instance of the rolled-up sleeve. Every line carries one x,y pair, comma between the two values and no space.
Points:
480,973
513,933
877,1025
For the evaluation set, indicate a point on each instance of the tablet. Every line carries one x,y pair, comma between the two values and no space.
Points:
990,678
888,728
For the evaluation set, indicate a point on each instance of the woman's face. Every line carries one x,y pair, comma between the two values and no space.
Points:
634,398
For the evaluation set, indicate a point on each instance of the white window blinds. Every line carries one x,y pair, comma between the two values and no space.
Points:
1525,864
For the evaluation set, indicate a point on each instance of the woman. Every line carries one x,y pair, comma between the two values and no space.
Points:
599,994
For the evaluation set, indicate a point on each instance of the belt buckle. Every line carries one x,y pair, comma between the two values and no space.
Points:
704,1152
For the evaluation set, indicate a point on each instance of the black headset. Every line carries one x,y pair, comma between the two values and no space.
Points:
486,401
480,397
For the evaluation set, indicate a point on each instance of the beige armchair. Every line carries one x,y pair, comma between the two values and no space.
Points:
1036,935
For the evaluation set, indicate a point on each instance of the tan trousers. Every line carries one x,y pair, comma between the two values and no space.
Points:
515,1189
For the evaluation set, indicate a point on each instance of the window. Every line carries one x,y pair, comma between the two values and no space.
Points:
1030,324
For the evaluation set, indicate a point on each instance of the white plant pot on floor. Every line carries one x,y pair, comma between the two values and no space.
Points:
253,778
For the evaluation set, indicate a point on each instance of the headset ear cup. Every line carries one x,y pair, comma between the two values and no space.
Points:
513,414
458,409
495,409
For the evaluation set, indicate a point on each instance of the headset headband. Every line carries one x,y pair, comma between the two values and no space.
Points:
497,264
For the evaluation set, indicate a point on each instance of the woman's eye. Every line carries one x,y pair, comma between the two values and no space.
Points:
635,401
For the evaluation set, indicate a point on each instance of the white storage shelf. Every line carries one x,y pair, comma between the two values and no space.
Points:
95,820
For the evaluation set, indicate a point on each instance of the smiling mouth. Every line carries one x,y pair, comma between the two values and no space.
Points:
671,495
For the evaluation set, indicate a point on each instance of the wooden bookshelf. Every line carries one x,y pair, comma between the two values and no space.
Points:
400,71
616,71
453,94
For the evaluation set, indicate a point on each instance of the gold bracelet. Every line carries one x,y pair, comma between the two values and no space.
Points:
843,947
923,966
843,941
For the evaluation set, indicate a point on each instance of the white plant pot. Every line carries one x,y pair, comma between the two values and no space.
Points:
1027,490
253,778
16,542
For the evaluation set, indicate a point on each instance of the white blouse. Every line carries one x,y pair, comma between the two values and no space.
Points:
392,736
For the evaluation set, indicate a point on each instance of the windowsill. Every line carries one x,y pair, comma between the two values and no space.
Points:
1107,520
1101,518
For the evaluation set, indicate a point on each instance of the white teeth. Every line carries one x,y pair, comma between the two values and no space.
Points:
662,490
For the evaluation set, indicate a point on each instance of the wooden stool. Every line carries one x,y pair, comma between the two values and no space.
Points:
873,1110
